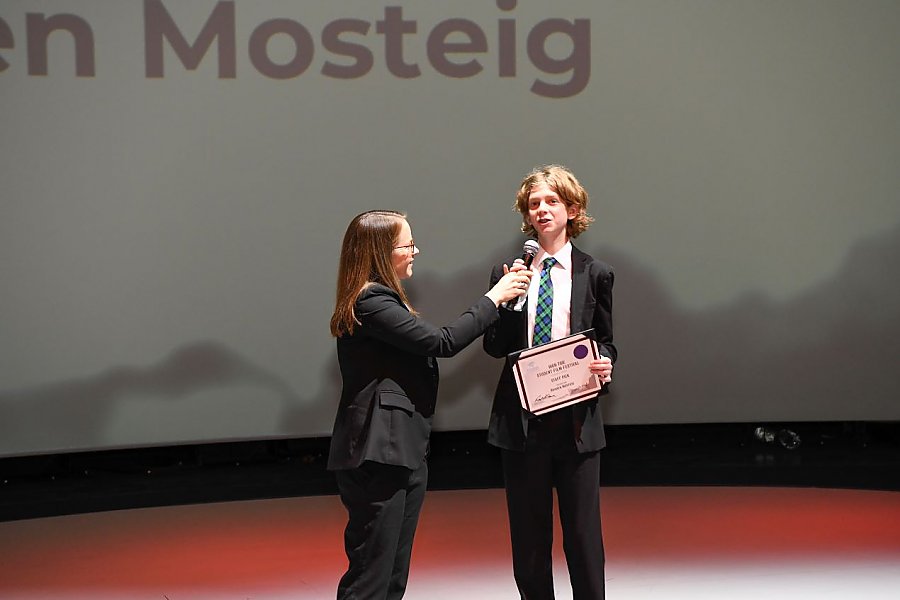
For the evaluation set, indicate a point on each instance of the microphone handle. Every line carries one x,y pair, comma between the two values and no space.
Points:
511,304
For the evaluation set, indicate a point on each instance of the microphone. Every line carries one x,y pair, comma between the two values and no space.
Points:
529,250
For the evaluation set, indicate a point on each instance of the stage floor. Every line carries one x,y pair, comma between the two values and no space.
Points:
661,542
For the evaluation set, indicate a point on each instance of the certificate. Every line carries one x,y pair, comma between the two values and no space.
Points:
556,374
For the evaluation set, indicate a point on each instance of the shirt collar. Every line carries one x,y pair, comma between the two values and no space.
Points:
563,256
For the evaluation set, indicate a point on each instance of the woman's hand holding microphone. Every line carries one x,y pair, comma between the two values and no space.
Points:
513,284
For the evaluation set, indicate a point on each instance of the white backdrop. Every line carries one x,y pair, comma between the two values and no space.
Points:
169,235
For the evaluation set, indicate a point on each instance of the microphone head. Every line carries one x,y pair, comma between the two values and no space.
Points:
531,248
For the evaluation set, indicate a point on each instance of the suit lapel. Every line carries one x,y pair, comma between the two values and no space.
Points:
579,289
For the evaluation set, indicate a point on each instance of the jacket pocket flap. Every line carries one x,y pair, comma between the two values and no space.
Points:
395,400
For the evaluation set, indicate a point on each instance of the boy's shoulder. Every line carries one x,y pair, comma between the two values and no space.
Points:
592,263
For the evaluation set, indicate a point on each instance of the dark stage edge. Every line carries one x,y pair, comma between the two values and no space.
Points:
861,455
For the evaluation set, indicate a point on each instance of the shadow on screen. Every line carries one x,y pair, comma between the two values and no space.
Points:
827,354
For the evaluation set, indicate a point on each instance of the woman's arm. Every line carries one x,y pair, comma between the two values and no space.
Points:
384,316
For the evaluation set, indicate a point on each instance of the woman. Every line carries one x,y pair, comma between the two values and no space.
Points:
387,357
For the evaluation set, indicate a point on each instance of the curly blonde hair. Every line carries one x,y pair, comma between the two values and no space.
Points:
562,181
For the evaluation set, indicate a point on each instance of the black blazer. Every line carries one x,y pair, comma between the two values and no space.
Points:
390,378
592,283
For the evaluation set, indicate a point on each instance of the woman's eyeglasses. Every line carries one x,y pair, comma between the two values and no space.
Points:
410,247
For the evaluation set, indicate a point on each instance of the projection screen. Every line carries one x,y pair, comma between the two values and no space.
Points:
177,177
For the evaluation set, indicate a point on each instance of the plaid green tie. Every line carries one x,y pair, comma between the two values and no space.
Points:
543,313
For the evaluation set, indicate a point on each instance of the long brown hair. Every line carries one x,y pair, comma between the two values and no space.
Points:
562,181
365,259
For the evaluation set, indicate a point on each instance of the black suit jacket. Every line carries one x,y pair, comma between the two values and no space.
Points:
592,283
390,378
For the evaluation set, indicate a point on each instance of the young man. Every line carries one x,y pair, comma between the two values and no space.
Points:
561,448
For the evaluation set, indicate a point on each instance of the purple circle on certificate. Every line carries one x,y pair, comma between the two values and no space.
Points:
580,351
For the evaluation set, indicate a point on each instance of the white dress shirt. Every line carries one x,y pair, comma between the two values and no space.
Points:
561,276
